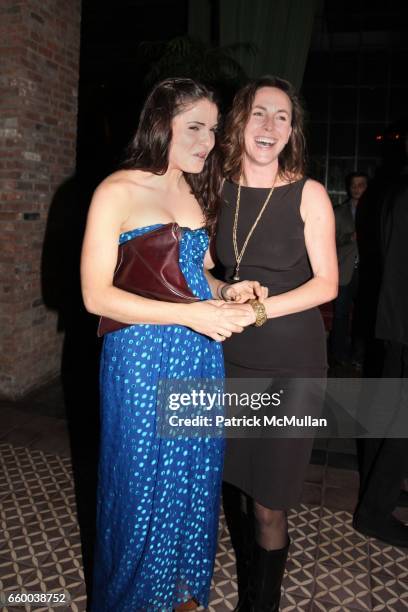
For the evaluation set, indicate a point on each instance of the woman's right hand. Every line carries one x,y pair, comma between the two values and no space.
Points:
217,319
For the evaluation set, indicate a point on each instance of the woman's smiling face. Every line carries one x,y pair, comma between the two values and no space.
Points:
269,126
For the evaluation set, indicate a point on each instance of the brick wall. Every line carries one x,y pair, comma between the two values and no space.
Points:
39,51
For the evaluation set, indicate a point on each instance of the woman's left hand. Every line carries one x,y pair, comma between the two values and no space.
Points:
243,291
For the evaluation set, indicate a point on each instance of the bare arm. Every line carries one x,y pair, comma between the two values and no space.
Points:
108,211
215,284
317,213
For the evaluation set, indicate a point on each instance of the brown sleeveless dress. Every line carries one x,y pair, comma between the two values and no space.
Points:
292,347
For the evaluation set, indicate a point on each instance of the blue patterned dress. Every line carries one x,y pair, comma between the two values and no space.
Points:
158,499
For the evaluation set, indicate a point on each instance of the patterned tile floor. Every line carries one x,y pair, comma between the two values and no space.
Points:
330,566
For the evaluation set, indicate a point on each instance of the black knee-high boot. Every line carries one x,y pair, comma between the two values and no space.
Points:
265,578
240,526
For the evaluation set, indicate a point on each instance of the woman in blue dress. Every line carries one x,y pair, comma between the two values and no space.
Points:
158,499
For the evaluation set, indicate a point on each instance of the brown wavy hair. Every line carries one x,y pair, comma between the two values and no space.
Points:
149,148
292,160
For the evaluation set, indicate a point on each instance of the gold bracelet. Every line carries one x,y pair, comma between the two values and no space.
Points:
260,312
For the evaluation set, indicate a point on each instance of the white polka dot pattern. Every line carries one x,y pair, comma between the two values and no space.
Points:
158,499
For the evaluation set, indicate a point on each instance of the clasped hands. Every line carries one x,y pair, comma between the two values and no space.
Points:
242,292
235,305
227,315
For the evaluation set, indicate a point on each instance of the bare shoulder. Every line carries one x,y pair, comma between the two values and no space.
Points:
315,200
314,189
120,192
122,184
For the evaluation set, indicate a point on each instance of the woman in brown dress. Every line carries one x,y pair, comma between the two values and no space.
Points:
275,226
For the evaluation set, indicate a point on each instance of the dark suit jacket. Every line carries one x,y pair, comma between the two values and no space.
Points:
345,241
392,313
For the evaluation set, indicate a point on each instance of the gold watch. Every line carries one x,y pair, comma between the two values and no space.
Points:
260,312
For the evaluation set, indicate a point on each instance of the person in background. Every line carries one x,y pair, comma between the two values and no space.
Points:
344,343
383,462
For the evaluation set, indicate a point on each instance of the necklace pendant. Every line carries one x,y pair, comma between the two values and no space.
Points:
236,277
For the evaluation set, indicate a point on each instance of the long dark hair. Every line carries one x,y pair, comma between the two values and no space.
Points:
149,149
292,157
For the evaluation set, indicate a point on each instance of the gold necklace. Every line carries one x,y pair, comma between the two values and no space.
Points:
239,255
